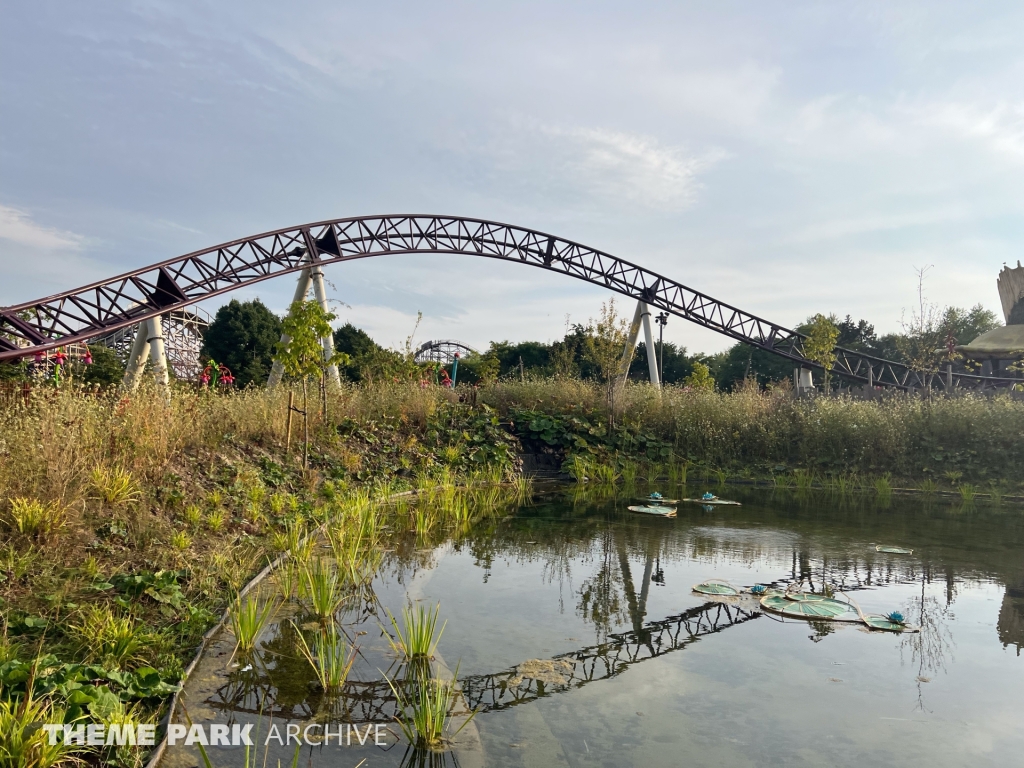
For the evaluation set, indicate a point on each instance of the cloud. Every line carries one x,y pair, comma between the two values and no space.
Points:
636,167
17,226
1000,125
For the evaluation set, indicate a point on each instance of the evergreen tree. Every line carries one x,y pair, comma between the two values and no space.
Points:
242,336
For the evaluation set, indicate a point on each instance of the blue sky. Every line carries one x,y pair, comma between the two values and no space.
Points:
786,157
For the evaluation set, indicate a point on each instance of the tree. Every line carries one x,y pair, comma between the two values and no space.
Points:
302,354
701,378
358,345
106,368
243,336
820,344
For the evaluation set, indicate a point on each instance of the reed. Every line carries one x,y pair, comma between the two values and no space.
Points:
416,639
883,486
967,491
579,468
330,655
286,575
248,620
720,476
322,589
629,471
803,479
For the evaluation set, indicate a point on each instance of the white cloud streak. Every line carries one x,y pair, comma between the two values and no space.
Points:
17,227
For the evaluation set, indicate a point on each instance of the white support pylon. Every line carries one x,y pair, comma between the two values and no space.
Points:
157,353
317,275
137,359
652,358
149,343
642,317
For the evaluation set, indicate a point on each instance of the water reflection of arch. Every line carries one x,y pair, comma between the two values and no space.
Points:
372,701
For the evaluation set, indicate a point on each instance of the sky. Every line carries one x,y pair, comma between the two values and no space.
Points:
787,157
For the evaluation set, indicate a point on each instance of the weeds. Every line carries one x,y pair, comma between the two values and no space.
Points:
115,486
927,486
181,541
109,638
216,520
35,520
967,491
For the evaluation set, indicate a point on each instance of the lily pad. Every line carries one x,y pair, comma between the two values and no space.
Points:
883,623
715,588
825,608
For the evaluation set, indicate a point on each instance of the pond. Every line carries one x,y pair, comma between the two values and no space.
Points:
578,639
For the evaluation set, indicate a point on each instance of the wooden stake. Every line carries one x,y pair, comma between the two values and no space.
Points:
288,429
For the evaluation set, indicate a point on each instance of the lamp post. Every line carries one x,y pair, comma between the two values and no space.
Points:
662,320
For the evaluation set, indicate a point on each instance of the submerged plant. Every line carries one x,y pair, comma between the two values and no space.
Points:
426,711
330,656
418,640
248,620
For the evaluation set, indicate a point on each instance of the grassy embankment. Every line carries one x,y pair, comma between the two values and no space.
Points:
127,525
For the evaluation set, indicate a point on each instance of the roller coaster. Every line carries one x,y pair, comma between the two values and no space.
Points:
145,295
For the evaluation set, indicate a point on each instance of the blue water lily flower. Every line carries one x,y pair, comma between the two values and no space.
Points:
708,495
655,495
896,617
758,589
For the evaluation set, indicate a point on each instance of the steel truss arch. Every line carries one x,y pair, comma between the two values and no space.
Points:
103,307
442,351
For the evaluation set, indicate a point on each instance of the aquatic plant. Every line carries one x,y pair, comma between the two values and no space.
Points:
286,575
967,491
115,486
34,519
322,589
896,617
996,493
248,620
758,589
720,475
883,485
426,712
927,486
418,640
578,467
629,471
330,656
804,479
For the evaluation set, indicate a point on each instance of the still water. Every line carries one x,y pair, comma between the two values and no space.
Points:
641,671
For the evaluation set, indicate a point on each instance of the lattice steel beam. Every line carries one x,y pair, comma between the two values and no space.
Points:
176,283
